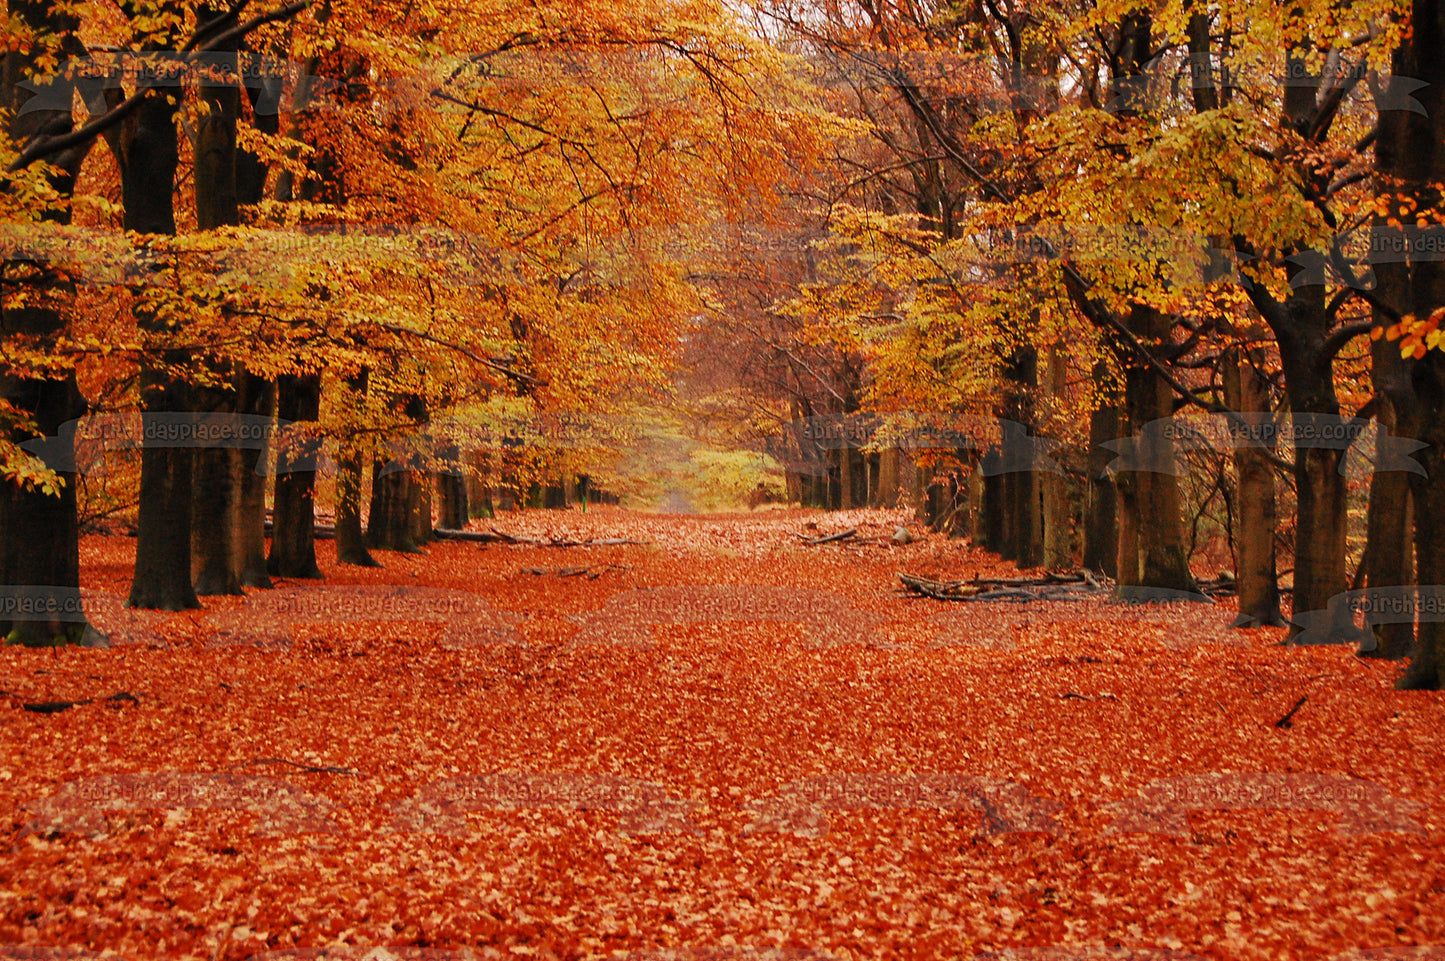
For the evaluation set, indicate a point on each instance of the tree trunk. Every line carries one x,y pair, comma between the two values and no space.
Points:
216,489
1301,325
1101,531
1022,533
258,399
215,507
1256,576
163,542
1389,549
911,479
479,485
293,540
421,526
793,484
888,461
1411,147
1320,514
1058,518
1027,513
1159,531
258,394
147,154
973,494
1128,571
1427,660
399,499
1057,489
394,502
993,509
451,500
1389,541
39,535
350,541
39,532
961,506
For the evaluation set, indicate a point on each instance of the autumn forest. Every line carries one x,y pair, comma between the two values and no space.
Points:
673,422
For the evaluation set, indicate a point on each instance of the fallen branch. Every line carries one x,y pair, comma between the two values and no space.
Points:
559,542
326,532
939,590
1285,721
605,542
591,573
55,707
510,538
1222,586
1052,586
448,534
840,536
296,764
1051,577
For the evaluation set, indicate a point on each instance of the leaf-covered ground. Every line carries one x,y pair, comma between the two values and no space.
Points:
489,785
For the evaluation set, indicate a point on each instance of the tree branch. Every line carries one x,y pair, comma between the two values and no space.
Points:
46,146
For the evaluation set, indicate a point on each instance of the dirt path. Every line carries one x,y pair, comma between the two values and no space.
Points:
722,736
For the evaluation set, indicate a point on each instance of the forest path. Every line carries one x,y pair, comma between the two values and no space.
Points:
721,736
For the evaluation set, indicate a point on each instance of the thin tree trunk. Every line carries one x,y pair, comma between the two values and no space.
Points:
1256,576
1126,487
479,485
350,541
993,509
1101,530
258,394
258,399
1023,523
1057,494
293,540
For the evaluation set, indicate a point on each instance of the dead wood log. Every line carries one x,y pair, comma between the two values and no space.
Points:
939,590
591,573
840,536
1051,586
55,707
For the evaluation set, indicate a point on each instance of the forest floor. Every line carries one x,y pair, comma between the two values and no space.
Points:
481,749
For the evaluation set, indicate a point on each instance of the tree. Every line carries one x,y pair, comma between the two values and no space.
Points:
1410,160
39,546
